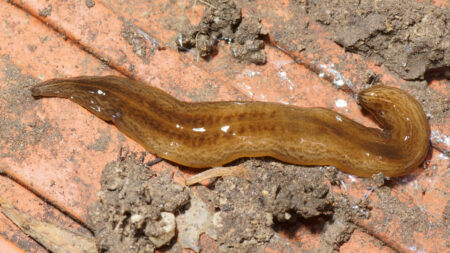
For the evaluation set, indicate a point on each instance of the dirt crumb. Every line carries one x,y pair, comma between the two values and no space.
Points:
409,38
143,44
135,211
90,3
47,11
338,229
222,20
378,179
247,46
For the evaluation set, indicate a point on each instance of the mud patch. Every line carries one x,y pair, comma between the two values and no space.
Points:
135,211
244,213
222,20
273,195
410,38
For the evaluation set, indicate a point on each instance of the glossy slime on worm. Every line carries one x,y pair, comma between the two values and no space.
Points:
208,134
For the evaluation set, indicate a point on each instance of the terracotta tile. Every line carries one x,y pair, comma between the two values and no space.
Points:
65,164
26,201
361,240
7,246
35,165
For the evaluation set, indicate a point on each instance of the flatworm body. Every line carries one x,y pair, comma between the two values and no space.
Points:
207,134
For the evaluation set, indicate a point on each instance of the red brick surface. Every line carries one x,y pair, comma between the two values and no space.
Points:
75,40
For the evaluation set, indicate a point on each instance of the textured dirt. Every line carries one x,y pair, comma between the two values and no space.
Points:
411,39
16,98
133,201
249,212
411,217
435,104
143,44
222,20
90,3
47,11
272,197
